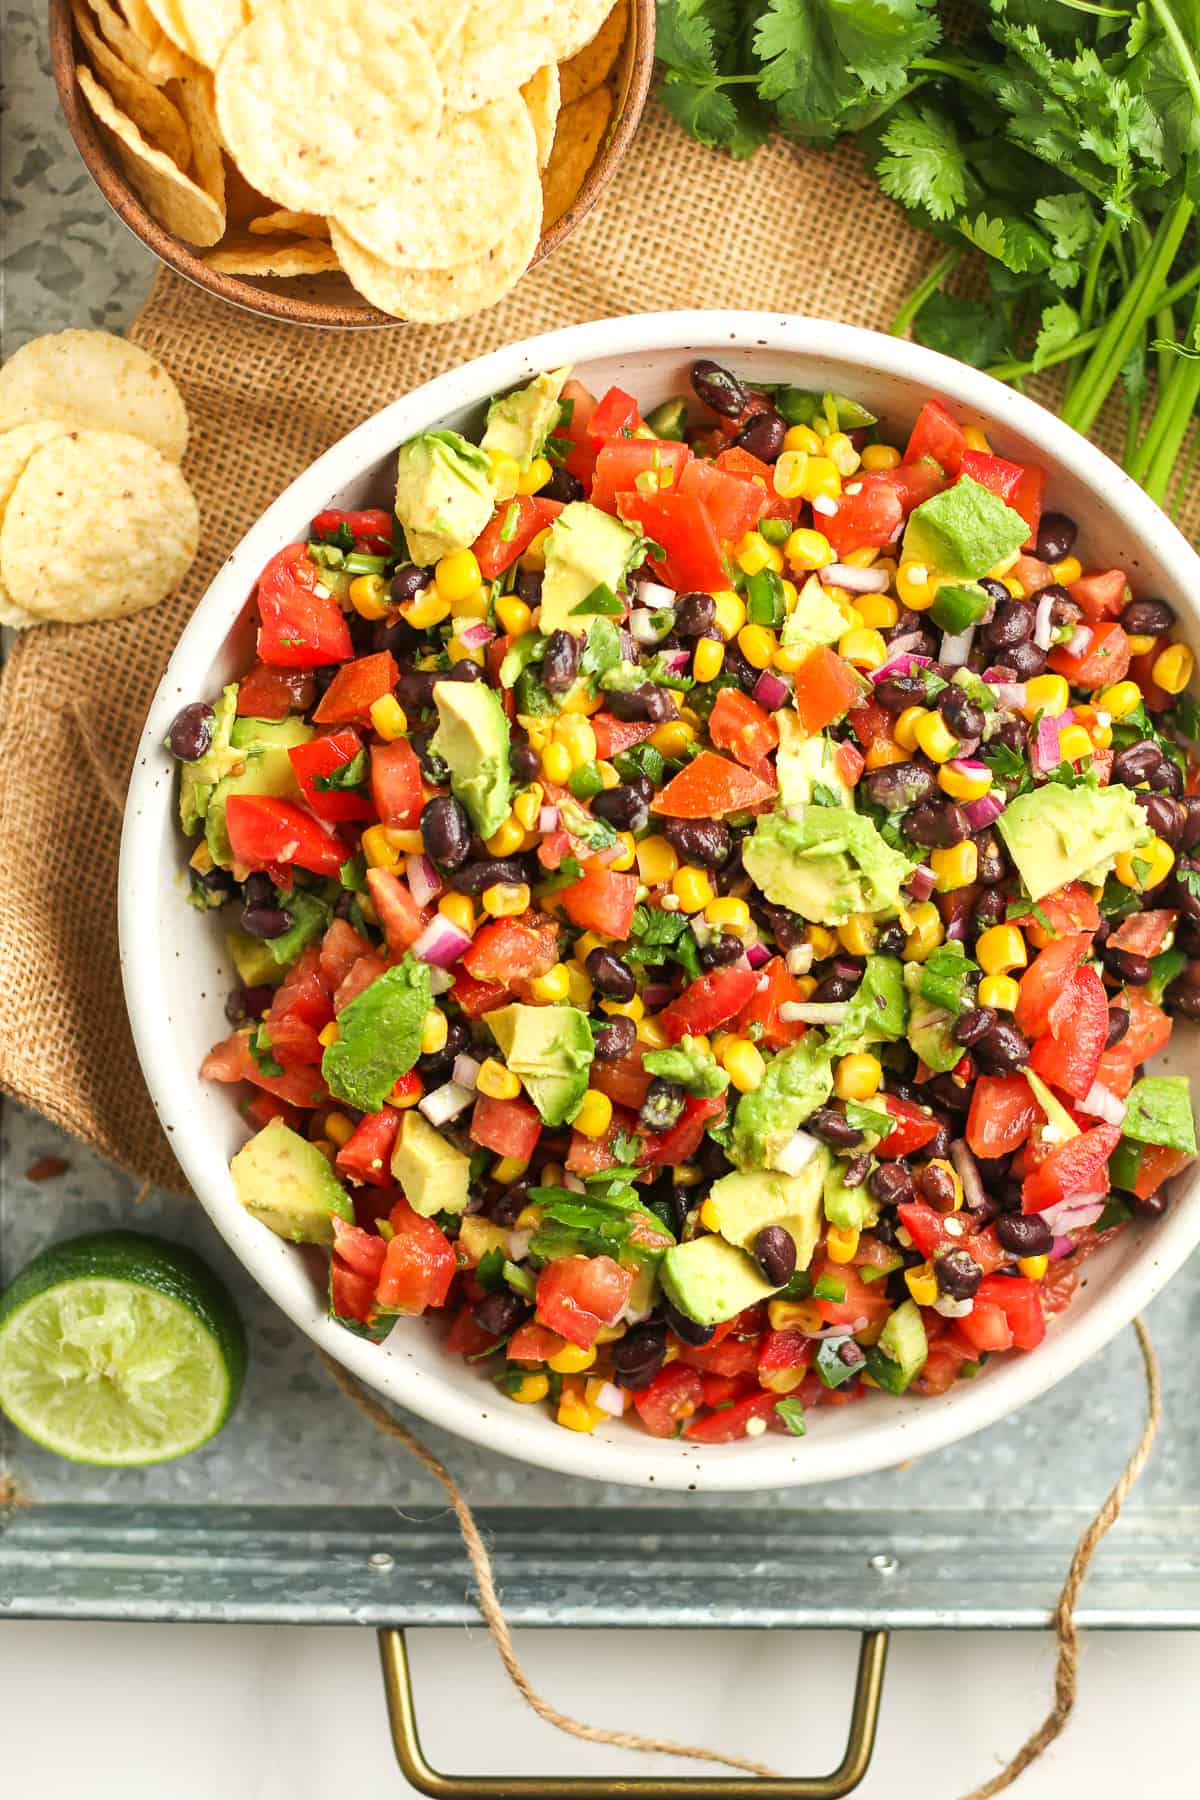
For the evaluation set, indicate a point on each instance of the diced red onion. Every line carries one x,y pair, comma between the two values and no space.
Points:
968,1174
757,955
548,818
921,882
654,595
796,1154
902,663
956,647
476,636
423,879
956,927
1009,694
466,1070
1101,1103
445,1103
772,691
855,581
800,959
518,1245
825,506
645,630
441,942
1062,1246
609,1398
1075,1212
1046,754
985,811
1080,640
814,1012
1043,628
676,661
440,981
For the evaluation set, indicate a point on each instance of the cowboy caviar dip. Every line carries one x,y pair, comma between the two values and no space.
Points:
704,890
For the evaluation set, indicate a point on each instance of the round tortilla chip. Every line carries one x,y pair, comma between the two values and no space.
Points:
203,29
484,55
17,445
175,200
193,94
322,103
542,95
151,111
164,57
581,128
433,296
456,198
593,65
14,616
282,223
263,256
126,43
91,379
100,525
570,25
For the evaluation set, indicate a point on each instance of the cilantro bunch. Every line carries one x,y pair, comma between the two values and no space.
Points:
1057,139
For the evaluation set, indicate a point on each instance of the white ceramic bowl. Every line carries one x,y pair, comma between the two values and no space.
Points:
177,973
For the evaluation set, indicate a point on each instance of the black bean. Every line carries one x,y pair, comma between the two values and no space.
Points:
937,1186
611,975
1001,1048
1189,837
663,1106
833,990
1148,1206
498,1313
705,842
529,587
833,1128
694,614
937,824
962,714
989,910
787,928
717,388
974,1024
524,762
992,864
218,886
446,831
995,590
408,581
891,1184
899,692
900,786
1010,624
951,1094
646,702
622,807
323,676
739,670
1056,537
711,1160
1118,1025
1024,1234
486,872
1011,733
1168,778
436,1067
958,1274
466,670
1025,660
265,921
1164,816
248,1003
396,636
563,486
639,1355
723,948
615,1039
891,940
1127,965
505,1205
762,436
191,731
688,1331
1183,999
560,665
1136,763
1147,618
414,690
775,1254
857,1170
1063,610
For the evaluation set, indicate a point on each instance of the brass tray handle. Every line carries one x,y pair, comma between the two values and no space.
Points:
864,1717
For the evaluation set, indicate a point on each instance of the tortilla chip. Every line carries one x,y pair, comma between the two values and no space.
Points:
17,445
432,296
193,94
164,58
99,525
282,223
590,67
204,29
179,205
261,256
581,129
14,616
541,94
151,111
126,43
489,54
572,24
93,380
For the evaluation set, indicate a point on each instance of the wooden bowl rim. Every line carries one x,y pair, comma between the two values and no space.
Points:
279,303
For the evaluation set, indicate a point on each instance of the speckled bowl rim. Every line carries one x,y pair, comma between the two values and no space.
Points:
837,1445
280,300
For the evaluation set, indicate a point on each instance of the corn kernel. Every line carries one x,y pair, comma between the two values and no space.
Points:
326,1146
507,1169
406,1093
1146,867
573,1410
880,456
458,908
572,1359
672,739
329,1034
457,575
976,439
458,652
999,992
857,1077
535,477
708,658
1096,722
788,476
1173,668
513,614
753,553
781,1381
497,1082
1074,743
595,1114
529,1389
916,586
378,852
692,888
1046,694
841,1243
758,645
624,1009
578,737
651,1034
579,985
864,648
743,1063
338,1129
434,1032
921,1283
505,474
1067,571
967,784
905,728
527,806
729,614
728,914
556,763
788,661
878,612
625,857
1033,1267
823,942
807,549
554,985
710,1215
533,557
657,860
883,752
935,737
1001,949
795,1315
507,838
1119,699
858,934
369,596
842,454
389,718
956,867
1015,587
802,438
820,479
530,1217
506,899
925,931
408,843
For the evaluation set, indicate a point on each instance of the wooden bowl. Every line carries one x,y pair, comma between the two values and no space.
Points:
326,300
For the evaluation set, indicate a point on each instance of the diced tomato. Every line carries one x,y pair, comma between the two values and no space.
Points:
774,987
1149,1032
984,1328
1145,933
727,1426
372,529
710,786
357,979
680,524
272,693
995,473
937,433
826,686
913,1128
231,1060
355,688
396,784
1105,660
624,1080
708,1002
398,913
533,1343
719,1390
467,1336
1068,1055
588,1155
673,1395
1029,497
729,1357
509,1127
1032,573
1068,911
925,1226
1003,1113
510,531
871,517
872,724
863,1300
264,831
601,900
262,1107
351,1295
1043,978
734,504
581,458
942,1366
760,478
300,1009
1078,1166
683,1140
614,735
1159,1163
512,950
1102,593
321,756
367,1153
1021,1303
616,413
850,763
578,1295
622,460
418,1266
477,997
783,1350
299,629
743,727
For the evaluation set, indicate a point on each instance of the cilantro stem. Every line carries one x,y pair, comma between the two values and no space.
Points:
924,290
1181,47
1015,370
1155,457
956,71
1185,473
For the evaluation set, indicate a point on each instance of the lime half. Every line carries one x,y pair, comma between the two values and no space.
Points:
119,1349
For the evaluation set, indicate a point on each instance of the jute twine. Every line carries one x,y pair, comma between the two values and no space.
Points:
1066,1673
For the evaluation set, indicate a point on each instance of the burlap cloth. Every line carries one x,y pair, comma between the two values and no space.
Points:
680,227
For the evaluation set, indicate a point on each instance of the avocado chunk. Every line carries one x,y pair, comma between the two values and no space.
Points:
930,1027
519,423
286,1184
262,768
876,1011
550,1048
198,779
815,619
270,734
964,531
669,419
472,737
379,1036
710,1280
443,494
804,765
899,1356
692,1064
797,1081
434,1174
586,550
849,1208
1057,834
252,958
825,864
748,1200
